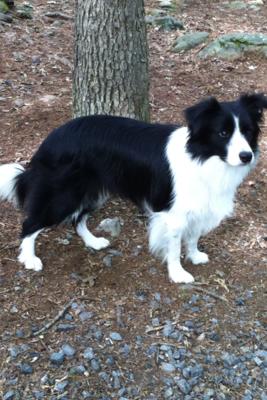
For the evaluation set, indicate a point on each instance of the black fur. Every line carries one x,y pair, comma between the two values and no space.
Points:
89,156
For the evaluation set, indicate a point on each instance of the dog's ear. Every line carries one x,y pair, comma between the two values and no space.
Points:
202,111
254,104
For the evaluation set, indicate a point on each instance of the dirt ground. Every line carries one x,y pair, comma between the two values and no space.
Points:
35,96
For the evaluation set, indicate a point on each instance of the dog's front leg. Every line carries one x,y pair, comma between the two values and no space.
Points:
176,272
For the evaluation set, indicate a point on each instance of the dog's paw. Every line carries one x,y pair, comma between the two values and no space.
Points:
99,243
198,257
180,276
33,263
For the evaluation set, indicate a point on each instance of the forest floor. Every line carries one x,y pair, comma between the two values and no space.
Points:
175,341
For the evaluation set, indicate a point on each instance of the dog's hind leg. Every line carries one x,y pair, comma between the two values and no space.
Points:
96,243
193,254
27,252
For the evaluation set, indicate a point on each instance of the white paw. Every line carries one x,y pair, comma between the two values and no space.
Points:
180,276
33,263
198,257
98,243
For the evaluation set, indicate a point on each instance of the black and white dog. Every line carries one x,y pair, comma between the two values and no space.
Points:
184,177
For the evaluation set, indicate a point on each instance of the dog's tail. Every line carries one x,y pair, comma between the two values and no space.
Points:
9,174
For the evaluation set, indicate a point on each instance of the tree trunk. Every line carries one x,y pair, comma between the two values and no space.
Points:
111,59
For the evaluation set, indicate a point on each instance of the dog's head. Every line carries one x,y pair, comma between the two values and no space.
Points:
228,130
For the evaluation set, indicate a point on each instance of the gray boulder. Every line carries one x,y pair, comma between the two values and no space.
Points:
234,45
189,41
164,22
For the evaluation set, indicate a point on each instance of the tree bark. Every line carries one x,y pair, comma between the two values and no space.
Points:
111,59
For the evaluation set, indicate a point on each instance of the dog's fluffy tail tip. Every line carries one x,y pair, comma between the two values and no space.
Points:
8,178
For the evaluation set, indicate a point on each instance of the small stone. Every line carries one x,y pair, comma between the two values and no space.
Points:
168,330
111,225
57,358
19,103
14,309
36,60
240,302
89,353
68,350
208,394
107,260
61,386
26,369
65,327
257,361
167,367
20,333
155,321
153,270
68,317
95,364
115,336
85,315
14,351
229,359
48,99
38,394
183,386
10,395
168,393
78,370
44,379
110,360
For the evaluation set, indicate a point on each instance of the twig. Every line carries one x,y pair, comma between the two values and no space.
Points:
57,14
161,327
166,344
216,296
53,321
58,316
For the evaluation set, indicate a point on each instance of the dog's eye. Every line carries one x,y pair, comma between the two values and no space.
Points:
223,134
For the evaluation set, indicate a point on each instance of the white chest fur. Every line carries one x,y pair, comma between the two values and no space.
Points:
203,193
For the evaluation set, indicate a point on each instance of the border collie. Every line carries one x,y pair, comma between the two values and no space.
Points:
184,177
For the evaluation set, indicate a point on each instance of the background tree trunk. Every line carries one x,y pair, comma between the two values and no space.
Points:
111,59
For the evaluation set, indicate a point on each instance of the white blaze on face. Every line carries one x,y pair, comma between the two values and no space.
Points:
237,144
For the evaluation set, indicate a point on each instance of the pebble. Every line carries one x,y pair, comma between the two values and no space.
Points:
57,358
89,353
65,327
111,225
38,394
20,333
95,365
167,367
61,386
85,315
26,369
78,370
115,336
10,395
13,309
183,386
107,260
68,350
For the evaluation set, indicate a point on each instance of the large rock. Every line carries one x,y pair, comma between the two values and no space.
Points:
234,45
189,41
239,4
165,23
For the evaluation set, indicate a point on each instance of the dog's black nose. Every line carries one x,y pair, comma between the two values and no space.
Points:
245,156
